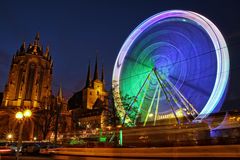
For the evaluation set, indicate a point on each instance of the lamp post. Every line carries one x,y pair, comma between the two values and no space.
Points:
21,116
9,137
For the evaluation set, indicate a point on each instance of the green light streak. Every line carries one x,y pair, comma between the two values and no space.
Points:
150,107
166,94
120,137
141,103
156,110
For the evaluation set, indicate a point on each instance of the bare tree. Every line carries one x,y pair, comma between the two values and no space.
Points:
45,121
46,116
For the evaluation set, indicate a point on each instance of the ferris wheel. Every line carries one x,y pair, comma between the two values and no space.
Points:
174,64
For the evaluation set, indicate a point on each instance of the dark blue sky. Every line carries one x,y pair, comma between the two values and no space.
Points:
75,29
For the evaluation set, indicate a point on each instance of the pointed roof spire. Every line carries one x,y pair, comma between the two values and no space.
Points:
37,37
41,48
88,80
13,58
60,94
23,47
17,52
96,70
102,78
47,52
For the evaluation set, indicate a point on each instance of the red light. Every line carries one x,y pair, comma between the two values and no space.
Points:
5,150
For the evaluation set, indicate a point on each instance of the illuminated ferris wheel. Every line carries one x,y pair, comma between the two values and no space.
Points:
174,64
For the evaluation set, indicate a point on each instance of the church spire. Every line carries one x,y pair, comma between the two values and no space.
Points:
88,81
96,70
102,78
37,37
47,52
36,44
36,40
60,94
23,47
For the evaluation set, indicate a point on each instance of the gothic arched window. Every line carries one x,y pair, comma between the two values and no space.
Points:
19,81
30,81
40,81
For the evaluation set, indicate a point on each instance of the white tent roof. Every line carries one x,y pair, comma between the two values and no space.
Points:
228,122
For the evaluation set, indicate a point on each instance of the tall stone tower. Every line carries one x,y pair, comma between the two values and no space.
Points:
30,76
89,106
94,89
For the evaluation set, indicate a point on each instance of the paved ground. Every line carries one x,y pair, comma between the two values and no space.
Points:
12,157
218,151
104,158
63,157
162,153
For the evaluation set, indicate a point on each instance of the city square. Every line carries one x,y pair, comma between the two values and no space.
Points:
119,80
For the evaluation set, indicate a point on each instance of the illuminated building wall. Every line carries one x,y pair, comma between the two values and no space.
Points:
28,86
30,76
89,104
94,89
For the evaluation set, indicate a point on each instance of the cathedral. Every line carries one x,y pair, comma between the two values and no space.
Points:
29,86
30,77
89,106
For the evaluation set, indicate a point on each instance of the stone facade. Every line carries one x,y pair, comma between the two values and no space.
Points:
90,105
29,86
30,77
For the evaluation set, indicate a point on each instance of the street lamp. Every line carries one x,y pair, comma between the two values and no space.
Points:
27,113
9,137
21,116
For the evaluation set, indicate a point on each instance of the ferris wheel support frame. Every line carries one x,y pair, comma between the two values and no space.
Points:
165,93
135,98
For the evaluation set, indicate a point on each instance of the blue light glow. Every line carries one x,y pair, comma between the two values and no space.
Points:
187,49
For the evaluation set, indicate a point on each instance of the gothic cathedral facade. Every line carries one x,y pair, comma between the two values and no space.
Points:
28,87
30,77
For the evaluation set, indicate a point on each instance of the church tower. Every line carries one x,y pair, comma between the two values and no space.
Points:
94,89
89,106
30,76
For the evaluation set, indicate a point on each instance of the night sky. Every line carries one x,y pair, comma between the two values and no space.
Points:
77,31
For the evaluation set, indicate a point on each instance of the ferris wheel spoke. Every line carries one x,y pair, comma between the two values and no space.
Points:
135,99
150,107
174,97
179,100
186,107
141,103
157,105
135,75
195,88
182,98
166,94
132,59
